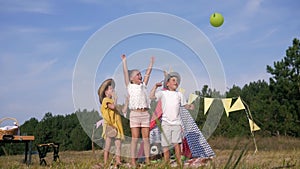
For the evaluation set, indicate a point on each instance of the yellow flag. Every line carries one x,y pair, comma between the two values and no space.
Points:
238,105
227,103
192,98
181,90
253,126
207,103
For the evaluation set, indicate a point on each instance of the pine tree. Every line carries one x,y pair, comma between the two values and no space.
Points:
285,87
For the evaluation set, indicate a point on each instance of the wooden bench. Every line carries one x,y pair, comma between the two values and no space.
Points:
43,149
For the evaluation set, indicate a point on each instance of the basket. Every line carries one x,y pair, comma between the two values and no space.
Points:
13,131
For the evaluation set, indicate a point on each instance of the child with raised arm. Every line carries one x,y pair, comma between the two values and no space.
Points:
139,105
171,121
111,116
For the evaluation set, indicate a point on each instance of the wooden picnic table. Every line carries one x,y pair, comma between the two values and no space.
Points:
21,139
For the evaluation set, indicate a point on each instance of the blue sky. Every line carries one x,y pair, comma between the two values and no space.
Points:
42,40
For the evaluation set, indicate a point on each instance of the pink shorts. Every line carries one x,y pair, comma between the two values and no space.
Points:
139,119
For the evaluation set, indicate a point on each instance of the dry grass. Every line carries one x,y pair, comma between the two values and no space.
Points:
275,153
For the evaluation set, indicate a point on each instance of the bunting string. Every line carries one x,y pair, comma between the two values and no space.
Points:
230,106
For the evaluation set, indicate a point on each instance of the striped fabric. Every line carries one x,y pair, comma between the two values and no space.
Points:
196,141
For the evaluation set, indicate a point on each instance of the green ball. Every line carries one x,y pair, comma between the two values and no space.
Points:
216,19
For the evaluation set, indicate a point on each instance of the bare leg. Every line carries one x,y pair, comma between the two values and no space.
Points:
118,151
178,153
145,135
166,155
106,149
135,133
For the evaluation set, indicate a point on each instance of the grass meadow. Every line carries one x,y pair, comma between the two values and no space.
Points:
273,153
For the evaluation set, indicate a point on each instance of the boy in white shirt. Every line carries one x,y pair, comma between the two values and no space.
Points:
171,120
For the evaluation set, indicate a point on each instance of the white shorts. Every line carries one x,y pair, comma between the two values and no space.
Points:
171,134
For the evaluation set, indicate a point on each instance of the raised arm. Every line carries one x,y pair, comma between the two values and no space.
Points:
152,92
148,72
125,69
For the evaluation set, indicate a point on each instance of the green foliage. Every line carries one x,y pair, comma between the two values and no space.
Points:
72,131
285,89
275,107
258,95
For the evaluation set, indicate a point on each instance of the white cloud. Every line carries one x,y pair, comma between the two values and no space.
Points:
77,28
266,35
39,68
252,7
31,6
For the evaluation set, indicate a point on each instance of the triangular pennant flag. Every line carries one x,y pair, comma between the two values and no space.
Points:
227,104
238,105
207,103
181,90
253,126
192,98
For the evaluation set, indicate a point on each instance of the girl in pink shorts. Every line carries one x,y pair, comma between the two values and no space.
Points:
139,106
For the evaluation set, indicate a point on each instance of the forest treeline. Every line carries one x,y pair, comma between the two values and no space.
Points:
274,105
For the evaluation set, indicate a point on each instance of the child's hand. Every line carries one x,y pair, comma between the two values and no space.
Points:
192,107
159,84
189,106
123,57
152,59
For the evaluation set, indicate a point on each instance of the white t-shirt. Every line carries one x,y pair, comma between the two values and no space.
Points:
137,96
171,102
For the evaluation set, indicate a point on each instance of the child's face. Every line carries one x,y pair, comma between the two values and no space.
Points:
172,84
136,77
109,92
